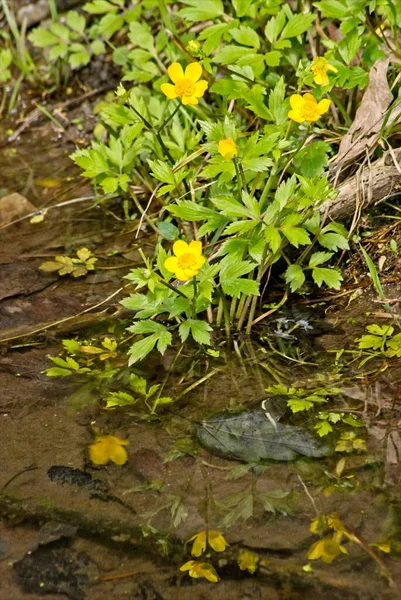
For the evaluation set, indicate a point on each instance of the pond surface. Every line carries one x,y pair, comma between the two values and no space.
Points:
71,529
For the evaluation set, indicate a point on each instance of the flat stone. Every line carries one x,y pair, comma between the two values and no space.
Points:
14,206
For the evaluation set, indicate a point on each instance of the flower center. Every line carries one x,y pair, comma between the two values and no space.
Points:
309,110
185,87
320,66
187,261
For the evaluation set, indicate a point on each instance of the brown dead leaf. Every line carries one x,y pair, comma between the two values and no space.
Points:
364,131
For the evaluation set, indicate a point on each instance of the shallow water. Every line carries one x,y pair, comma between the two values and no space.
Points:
123,528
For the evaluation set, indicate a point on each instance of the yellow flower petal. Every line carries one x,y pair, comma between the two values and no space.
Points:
295,116
217,541
200,261
108,447
188,565
200,88
193,71
175,72
199,545
169,90
207,571
227,148
180,247
171,264
195,247
309,98
98,453
331,68
188,100
321,79
184,274
118,455
248,560
323,106
296,101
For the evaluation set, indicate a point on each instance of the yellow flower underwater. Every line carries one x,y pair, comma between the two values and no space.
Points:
186,86
200,569
327,549
228,149
108,447
187,260
248,560
319,67
216,540
306,108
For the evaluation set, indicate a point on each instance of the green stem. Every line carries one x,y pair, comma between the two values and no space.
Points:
238,178
194,298
173,289
167,121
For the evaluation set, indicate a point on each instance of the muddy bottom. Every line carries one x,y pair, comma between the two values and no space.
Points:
71,529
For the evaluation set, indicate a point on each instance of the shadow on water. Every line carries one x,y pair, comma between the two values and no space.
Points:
225,454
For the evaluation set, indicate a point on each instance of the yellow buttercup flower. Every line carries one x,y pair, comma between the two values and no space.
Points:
319,67
187,260
306,108
327,549
186,86
248,560
108,447
200,569
215,539
228,148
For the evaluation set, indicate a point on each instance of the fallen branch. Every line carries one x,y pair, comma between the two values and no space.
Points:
373,183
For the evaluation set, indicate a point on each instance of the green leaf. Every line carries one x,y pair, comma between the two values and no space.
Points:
274,26
229,87
42,37
168,229
299,404
92,161
297,236
319,258
273,58
213,36
273,237
278,104
255,102
98,47
79,58
311,160
331,277
297,25
323,428
200,331
138,384
230,207
334,9
120,399
333,241
58,372
294,275
76,21
162,171
229,54
110,24
246,36
99,7
201,11
140,349
231,281
190,211
140,34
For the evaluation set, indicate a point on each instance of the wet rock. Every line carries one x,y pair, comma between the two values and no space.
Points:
53,531
67,475
55,570
14,206
255,435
